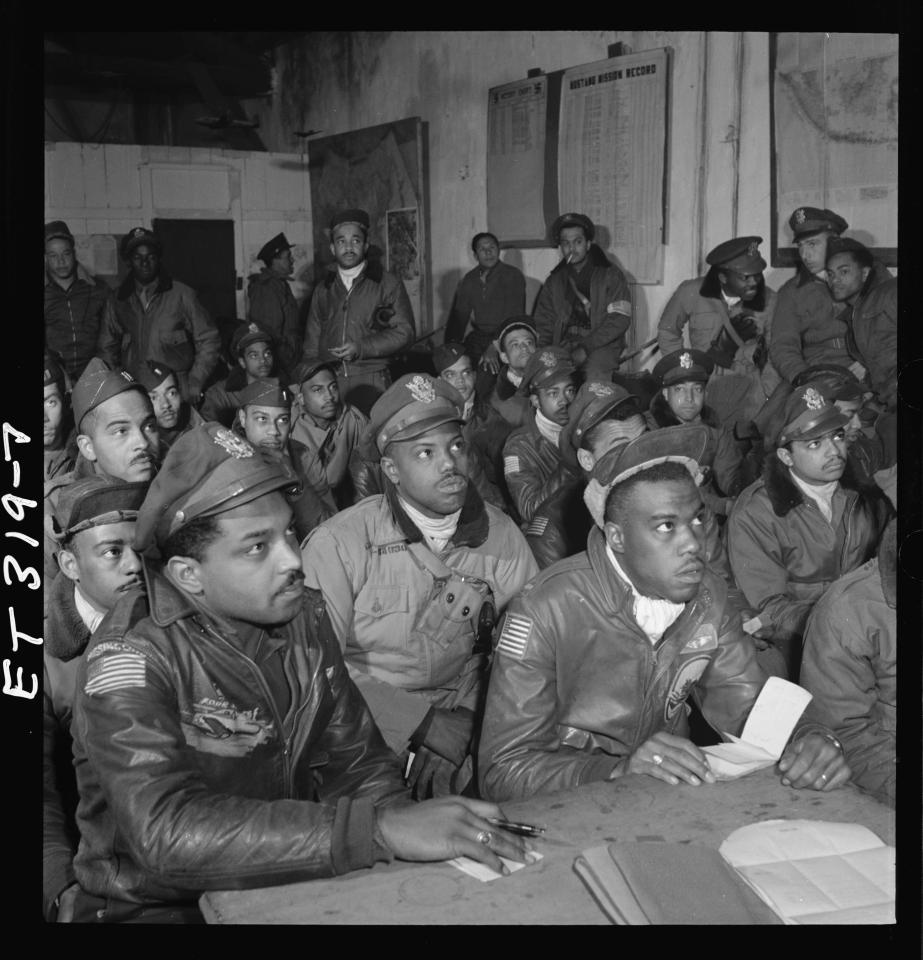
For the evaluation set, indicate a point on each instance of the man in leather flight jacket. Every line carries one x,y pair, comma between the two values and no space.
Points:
219,742
597,656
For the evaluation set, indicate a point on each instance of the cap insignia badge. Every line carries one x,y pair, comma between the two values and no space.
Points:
600,389
685,360
548,359
752,250
253,328
236,446
422,389
799,215
813,399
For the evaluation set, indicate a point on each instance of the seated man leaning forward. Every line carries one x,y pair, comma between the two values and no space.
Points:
413,579
219,742
598,654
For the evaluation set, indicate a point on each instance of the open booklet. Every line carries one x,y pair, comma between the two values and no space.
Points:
814,871
772,719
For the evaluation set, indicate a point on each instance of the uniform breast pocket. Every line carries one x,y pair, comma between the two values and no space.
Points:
177,349
703,325
382,615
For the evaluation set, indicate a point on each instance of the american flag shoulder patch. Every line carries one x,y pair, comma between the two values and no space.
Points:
537,526
511,465
116,671
619,306
515,635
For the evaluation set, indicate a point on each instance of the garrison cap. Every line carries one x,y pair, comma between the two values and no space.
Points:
152,373
594,401
306,369
207,471
572,220
807,415
135,238
54,372
246,334
272,248
520,322
268,392
351,215
96,385
741,254
447,355
685,444
834,382
807,220
58,230
683,365
93,502
412,405
546,366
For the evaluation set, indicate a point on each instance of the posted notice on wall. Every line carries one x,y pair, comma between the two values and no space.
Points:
516,159
611,141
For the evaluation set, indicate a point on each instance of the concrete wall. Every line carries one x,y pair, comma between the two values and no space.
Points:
718,130
101,192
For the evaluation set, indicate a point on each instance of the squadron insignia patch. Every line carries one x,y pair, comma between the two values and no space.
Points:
515,635
619,306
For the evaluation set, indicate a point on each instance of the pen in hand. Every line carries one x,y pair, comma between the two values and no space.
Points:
522,829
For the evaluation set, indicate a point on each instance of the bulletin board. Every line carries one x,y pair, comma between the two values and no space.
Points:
382,170
834,105
591,139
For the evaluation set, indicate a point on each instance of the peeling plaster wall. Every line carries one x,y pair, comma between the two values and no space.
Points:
718,149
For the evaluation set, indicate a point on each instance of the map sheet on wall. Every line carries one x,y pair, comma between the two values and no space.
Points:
835,131
516,160
611,142
380,170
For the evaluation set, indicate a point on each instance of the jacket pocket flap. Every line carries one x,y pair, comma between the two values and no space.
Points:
378,601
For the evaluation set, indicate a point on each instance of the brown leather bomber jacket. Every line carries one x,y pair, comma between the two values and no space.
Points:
576,686
191,779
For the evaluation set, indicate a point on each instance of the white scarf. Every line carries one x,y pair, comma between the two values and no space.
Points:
652,614
514,378
88,612
730,301
548,428
348,276
821,494
437,531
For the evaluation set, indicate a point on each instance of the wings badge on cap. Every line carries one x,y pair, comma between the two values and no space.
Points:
422,389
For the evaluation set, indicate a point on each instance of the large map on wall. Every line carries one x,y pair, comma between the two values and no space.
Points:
835,119
381,170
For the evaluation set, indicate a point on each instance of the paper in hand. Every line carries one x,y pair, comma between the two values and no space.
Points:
765,734
482,872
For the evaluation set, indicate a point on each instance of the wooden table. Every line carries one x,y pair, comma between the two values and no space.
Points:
632,808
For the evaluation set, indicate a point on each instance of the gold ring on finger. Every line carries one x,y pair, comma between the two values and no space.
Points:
656,758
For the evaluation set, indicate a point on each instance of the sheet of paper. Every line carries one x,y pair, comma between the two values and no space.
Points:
728,761
483,873
774,715
813,872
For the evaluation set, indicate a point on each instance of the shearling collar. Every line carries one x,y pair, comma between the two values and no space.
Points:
66,635
783,492
473,524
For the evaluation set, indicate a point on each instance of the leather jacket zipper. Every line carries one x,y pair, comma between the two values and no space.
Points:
287,764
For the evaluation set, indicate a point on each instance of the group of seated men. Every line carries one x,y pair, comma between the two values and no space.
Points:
288,637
